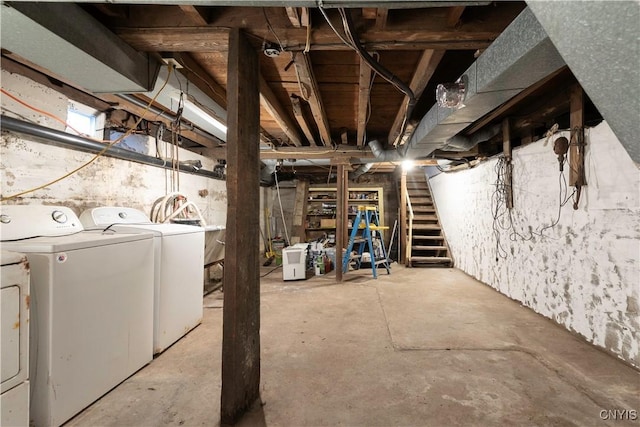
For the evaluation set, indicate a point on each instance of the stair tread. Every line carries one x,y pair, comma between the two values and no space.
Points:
422,237
426,227
430,259
428,248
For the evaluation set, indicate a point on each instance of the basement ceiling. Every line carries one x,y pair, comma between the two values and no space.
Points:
317,93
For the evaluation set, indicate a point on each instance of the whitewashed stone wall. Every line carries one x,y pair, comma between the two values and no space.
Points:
584,273
26,163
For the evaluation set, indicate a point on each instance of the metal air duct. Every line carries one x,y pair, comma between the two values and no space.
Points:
66,40
521,56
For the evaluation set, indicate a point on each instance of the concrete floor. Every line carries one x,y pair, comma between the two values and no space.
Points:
421,347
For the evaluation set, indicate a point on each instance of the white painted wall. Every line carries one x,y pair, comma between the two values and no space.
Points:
584,273
25,164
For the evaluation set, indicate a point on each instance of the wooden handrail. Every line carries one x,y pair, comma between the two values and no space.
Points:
410,237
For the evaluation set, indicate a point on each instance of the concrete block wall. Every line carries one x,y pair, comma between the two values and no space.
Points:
585,272
26,163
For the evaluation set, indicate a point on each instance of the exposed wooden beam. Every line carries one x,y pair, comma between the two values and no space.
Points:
303,65
341,216
364,92
455,13
295,153
305,17
507,152
241,312
369,13
207,39
381,19
298,112
424,71
202,79
194,14
140,112
270,103
294,16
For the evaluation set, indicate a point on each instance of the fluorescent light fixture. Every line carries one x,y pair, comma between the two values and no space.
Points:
200,115
210,118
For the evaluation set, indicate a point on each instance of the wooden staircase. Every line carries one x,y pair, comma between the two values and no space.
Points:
426,244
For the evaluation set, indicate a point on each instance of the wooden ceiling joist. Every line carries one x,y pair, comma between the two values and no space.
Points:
426,67
202,79
343,152
294,16
364,92
304,68
194,39
270,103
381,19
298,112
194,14
455,13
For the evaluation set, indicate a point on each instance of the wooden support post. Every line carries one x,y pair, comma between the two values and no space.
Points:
241,312
341,214
507,151
402,248
576,118
300,213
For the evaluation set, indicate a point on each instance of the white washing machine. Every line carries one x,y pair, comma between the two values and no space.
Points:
179,269
14,322
91,306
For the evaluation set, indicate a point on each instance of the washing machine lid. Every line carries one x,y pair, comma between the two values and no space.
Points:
9,258
81,240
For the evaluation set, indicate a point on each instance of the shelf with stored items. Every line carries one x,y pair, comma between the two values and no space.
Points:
321,208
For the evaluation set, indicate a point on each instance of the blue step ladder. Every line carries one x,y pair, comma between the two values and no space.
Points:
368,216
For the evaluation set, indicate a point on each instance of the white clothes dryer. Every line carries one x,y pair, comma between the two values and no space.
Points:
91,307
179,269
14,322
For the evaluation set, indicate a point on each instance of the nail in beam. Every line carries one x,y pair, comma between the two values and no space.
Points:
241,312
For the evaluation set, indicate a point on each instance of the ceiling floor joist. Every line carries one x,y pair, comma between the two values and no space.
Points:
304,68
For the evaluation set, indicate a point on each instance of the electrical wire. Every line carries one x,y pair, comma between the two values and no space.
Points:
95,157
44,113
503,217
270,271
378,68
326,17
266,18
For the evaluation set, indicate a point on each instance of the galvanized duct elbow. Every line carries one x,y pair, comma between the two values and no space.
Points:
464,143
266,173
360,171
383,155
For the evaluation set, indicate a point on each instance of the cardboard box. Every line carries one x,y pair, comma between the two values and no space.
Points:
328,223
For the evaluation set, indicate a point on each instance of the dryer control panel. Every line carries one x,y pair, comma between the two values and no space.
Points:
107,215
26,221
